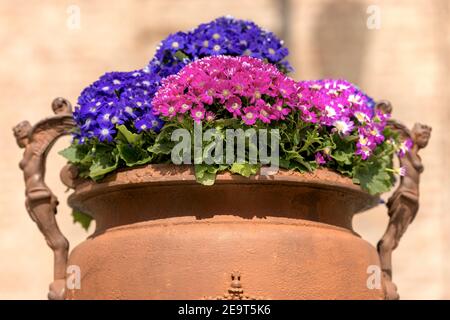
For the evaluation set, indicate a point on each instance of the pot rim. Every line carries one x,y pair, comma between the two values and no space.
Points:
169,174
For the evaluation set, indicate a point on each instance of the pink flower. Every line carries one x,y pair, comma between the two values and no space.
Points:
265,114
198,114
207,97
234,105
183,105
279,111
210,116
168,110
241,82
224,92
250,115
309,117
286,88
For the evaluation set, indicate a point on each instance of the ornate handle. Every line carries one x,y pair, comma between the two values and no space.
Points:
404,202
40,201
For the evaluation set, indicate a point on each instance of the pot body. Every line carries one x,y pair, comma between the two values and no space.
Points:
161,235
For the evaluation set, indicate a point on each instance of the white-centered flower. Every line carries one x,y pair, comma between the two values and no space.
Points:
330,112
343,127
361,116
129,110
199,114
354,98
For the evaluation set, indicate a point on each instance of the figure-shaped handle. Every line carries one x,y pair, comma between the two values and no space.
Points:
40,201
404,202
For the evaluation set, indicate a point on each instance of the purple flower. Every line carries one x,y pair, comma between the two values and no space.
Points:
319,158
404,147
364,151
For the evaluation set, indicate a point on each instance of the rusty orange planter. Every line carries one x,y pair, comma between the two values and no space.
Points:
161,235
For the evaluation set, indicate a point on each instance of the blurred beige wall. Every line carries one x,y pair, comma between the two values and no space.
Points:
405,61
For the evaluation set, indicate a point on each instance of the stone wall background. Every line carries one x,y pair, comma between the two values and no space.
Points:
405,61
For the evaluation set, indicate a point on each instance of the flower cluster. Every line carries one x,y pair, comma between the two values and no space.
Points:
344,107
223,36
252,90
246,88
116,98
125,97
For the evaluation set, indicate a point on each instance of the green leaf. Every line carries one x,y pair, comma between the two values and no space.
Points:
82,218
312,136
302,165
342,157
244,169
231,122
284,163
133,155
163,143
127,135
103,163
205,174
293,155
180,55
296,137
162,147
372,177
75,153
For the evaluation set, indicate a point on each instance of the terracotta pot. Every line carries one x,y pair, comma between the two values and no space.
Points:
161,235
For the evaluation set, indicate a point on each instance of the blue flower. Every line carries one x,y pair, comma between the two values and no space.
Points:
223,36
105,132
115,98
175,42
148,122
